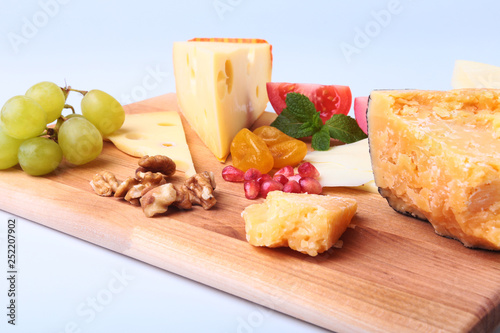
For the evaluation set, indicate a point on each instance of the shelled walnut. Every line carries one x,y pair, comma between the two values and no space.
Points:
157,163
104,183
197,189
149,187
158,199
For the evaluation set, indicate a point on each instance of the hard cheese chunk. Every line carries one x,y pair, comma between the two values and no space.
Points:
307,223
436,156
221,88
155,133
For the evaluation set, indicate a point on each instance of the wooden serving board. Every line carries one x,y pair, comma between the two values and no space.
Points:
393,273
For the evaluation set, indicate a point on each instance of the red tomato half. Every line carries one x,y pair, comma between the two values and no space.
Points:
360,106
328,100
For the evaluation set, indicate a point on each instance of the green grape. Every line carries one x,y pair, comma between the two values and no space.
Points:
50,97
72,115
23,118
80,141
8,150
103,111
39,156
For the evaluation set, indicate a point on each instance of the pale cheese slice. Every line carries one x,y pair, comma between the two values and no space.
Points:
472,74
347,165
155,133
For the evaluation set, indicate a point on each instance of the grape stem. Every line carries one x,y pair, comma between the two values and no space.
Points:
65,91
83,92
67,106
51,133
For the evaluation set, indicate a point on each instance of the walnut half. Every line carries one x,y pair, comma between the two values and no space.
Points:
197,189
157,200
104,183
200,189
157,163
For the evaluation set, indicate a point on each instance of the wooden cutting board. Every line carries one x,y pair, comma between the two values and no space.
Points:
393,273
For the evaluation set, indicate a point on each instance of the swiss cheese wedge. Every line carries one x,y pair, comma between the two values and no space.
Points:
155,133
221,87
307,223
436,156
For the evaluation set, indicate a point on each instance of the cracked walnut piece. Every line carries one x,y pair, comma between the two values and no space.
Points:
125,186
132,189
104,183
201,189
158,199
197,189
157,163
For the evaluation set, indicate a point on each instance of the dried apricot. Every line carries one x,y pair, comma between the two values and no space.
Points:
284,149
250,151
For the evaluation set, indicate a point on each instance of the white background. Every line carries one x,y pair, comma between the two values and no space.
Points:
124,47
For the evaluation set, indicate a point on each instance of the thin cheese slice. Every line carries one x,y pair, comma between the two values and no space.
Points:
346,165
155,133
471,74
221,88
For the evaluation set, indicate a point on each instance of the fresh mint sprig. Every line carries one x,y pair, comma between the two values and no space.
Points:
300,119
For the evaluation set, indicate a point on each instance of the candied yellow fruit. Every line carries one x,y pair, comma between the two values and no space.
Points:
307,223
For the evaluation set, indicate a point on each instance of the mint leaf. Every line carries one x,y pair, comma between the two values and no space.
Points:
344,128
300,119
321,140
316,121
300,106
289,124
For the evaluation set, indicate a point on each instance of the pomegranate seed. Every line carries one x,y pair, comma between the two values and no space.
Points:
281,178
292,187
306,169
310,185
296,177
251,188
252,174
270,185
263,178
286,171
232,174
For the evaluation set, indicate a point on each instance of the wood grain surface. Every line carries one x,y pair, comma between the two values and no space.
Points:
393,273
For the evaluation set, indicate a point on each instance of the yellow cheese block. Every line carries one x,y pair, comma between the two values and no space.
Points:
221,88
307,223
436,156
155,133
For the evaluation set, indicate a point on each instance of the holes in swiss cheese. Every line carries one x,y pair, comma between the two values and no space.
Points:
225,80
135,136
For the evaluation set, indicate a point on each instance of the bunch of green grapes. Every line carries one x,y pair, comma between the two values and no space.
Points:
25,138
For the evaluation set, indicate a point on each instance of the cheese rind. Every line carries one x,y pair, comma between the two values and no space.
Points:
436,156
155,133
221,88
307,223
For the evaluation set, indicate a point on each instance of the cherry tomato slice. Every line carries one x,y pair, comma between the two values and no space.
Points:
328,99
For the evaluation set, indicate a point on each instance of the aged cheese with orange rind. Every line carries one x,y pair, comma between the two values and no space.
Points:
307,223
436,156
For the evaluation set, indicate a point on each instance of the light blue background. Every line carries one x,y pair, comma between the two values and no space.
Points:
124,47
